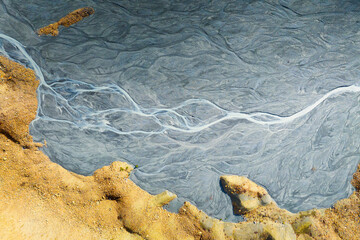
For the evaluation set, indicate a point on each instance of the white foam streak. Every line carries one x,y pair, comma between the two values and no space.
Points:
271,119
253,117
184,126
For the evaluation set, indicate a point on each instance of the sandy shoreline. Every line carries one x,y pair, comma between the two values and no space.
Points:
42,200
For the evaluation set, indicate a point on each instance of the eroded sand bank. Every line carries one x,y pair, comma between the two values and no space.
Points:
41,200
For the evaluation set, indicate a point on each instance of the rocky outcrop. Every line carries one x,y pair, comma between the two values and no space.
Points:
17,88
41,200
239,231
340,222
245,194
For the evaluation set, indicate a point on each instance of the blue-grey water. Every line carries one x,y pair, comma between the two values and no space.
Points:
192,90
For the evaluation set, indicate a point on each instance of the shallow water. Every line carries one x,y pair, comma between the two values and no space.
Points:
192,90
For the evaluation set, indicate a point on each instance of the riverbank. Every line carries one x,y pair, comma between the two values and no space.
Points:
42,200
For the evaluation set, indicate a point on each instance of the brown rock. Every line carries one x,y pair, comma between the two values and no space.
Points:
67,21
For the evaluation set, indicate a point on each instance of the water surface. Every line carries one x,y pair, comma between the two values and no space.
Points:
192,90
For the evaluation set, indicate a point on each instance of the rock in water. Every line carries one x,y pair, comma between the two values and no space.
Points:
67,21
245,194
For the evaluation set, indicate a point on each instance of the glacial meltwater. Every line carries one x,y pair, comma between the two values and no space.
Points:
192,90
